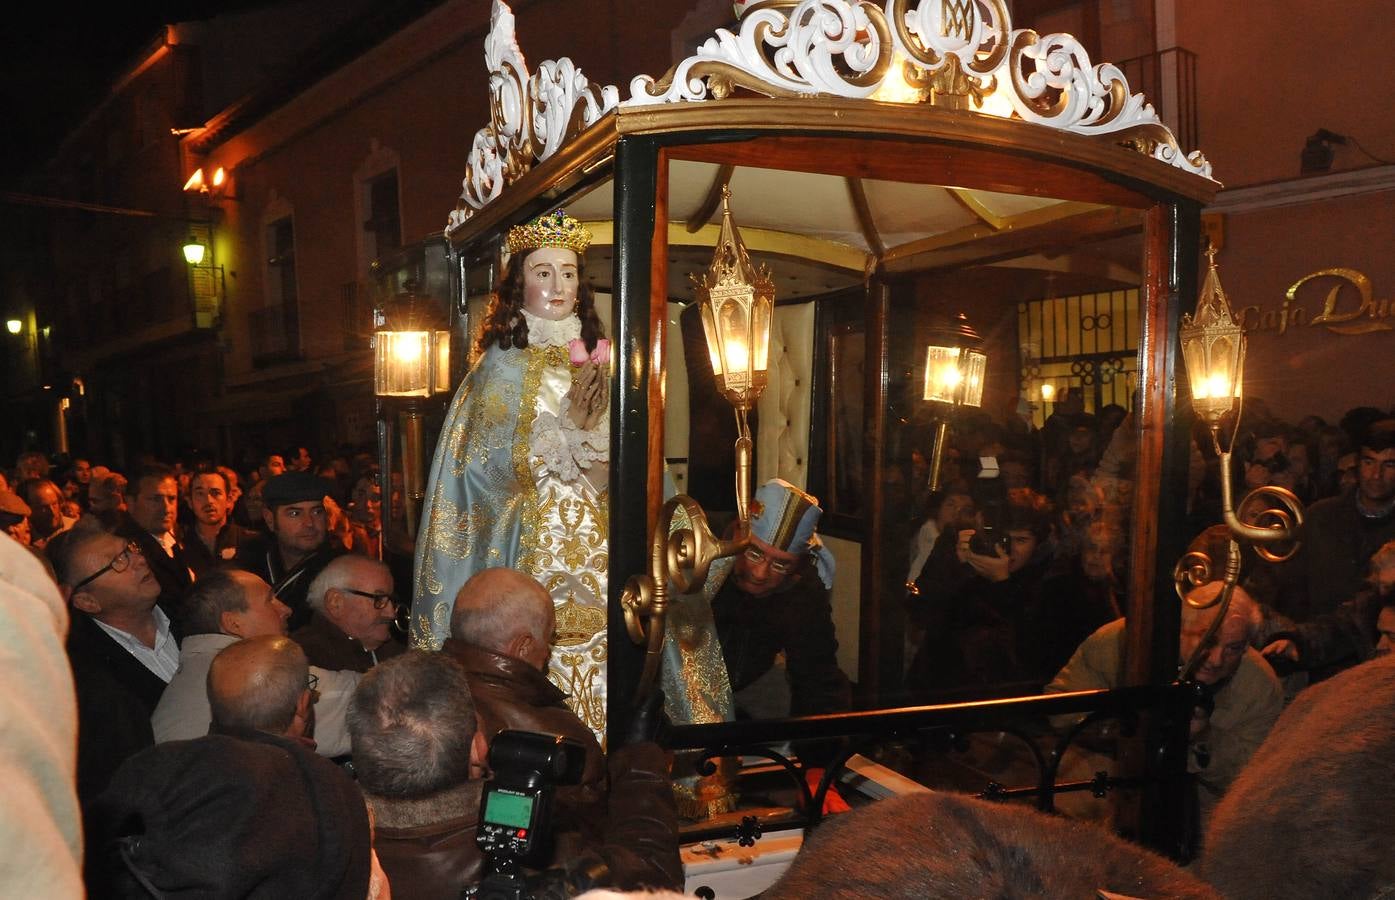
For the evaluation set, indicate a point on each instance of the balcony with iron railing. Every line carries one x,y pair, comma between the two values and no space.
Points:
1168,79
356,300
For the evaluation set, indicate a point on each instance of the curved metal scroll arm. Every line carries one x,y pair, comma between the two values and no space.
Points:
1275,525
682,556
679,557
1273,530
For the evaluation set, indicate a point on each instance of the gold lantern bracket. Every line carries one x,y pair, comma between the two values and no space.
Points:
1270,517
737,302
680,556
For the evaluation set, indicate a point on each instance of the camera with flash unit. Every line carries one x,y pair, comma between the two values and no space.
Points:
515,827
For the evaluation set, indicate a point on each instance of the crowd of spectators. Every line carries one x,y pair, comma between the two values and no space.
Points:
229,629
224,632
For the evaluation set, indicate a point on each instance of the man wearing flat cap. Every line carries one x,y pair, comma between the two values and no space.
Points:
14,516
294,550
773,614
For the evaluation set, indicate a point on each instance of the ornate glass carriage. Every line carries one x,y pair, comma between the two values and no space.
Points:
894,165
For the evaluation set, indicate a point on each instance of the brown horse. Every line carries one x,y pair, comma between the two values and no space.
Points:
1311,814
949,845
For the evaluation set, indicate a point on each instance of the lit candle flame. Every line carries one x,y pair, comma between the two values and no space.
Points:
1214,386
407,347
738,357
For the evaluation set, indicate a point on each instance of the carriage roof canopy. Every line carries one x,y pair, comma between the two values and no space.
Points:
953,70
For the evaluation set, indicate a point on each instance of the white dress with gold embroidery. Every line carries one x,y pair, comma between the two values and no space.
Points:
571,557
509,487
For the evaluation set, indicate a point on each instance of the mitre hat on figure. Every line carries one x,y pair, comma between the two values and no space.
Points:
785,517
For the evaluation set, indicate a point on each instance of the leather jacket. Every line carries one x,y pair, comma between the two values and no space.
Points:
511,694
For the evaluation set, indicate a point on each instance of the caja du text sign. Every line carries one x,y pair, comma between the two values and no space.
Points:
1340,300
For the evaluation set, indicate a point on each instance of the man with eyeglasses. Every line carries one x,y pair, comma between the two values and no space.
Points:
262,684
120,648
773,612
353,609
295,550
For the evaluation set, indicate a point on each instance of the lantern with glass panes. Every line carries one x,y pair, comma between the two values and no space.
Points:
411,365
955,367
1213,346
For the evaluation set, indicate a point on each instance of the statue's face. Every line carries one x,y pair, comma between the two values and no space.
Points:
549,283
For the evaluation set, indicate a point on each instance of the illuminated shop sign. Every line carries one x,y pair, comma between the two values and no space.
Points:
1348,307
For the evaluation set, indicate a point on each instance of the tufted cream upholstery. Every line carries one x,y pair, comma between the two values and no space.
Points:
782,443
782,451
676,413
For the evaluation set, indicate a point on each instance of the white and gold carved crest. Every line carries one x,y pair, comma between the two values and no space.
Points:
960,54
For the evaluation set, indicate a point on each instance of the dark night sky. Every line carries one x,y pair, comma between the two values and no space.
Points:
56,63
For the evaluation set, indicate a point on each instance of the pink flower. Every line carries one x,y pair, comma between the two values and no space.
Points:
579,357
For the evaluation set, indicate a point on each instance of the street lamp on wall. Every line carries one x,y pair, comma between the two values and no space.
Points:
194,251
955,369
206,280
197,183
411,352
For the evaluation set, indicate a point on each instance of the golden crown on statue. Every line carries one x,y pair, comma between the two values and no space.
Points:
556,229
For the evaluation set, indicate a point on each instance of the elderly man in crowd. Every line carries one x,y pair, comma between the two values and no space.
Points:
14,517
225,606
46,502
1246,696
353,608
261,684
418,752
295,549
153,507
245,811
501,630
120,648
